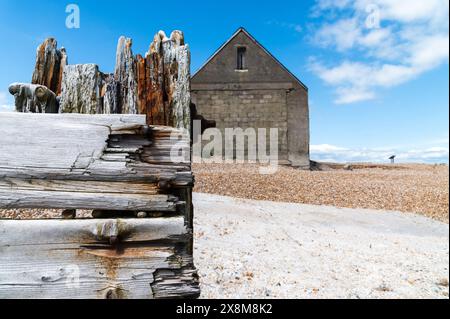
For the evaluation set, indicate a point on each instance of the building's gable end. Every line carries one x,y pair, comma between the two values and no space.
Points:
214,56
262,65
271,56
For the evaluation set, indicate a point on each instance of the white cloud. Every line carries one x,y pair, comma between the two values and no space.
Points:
375,37
353,94
429,52
331,153
412,38
328,4
407,10
5,105
343,34
326,148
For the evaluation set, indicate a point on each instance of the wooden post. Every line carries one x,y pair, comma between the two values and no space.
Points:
112,164
157,85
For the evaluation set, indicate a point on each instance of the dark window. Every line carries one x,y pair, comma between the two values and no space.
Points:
241,58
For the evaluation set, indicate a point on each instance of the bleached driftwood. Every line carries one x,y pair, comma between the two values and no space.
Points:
33,98
113,165
66,153
111,95
125,75
81,89
100,148
75,259
157,85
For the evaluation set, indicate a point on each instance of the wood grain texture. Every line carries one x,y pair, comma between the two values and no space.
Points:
50,63
158,83
77,200
73,259
75,161
81,89
116,166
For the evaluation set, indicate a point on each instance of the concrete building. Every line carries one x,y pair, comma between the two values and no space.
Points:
244,85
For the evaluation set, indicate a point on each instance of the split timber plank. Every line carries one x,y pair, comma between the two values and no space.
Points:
77,161
75,200
98,119
73,259
78,186
108,163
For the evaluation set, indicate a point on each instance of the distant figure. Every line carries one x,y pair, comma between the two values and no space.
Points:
392,158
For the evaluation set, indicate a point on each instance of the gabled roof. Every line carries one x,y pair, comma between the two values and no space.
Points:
243,30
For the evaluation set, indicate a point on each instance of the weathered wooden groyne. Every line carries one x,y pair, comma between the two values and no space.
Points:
117,145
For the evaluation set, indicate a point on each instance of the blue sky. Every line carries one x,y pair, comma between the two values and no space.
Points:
377,70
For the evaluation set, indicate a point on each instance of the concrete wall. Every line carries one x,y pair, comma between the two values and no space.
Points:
247,109
265,95
298,126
